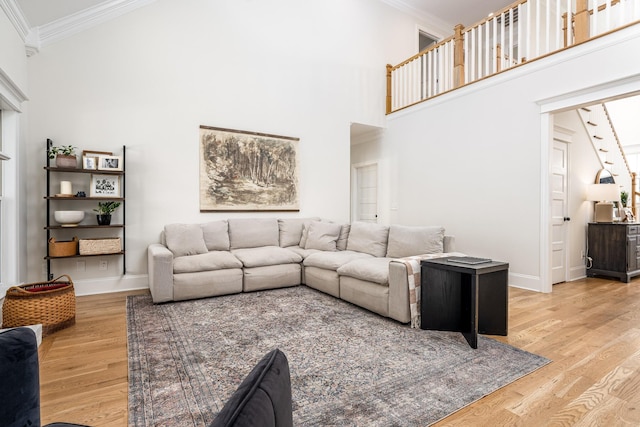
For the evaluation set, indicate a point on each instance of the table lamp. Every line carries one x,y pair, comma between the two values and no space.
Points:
604,195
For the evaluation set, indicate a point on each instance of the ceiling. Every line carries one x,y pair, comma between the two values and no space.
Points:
39,13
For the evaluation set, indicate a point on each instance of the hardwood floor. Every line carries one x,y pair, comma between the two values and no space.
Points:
590,329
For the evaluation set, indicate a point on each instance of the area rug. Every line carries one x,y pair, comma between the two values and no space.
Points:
349,367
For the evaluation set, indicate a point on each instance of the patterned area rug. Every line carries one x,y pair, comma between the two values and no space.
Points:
348,366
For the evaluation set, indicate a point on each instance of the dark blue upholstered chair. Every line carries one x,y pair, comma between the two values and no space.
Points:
263,398
20,380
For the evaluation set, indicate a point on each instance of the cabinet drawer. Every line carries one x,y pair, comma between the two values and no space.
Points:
632,230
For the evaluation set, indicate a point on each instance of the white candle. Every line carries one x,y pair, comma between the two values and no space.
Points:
65,187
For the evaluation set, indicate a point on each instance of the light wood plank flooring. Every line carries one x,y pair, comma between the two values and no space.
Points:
589,328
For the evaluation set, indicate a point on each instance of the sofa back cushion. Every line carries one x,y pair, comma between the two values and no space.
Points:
184,239
323,236
407,241
253,232
216,235
368,238
291,230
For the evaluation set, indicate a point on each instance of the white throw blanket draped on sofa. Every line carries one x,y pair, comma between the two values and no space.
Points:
413,280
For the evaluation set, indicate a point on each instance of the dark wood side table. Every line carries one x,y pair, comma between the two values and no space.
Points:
470,299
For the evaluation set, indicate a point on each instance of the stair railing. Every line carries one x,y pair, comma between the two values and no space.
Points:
524,31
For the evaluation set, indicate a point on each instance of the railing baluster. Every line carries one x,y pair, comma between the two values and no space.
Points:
487,48
558,24
501,50
594,19
537,36
607,16
569,23
472,55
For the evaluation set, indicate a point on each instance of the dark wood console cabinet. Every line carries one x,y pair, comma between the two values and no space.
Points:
614,249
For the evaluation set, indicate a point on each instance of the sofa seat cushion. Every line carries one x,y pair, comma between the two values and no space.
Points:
333,260
210,261
304,253
371,270
266,255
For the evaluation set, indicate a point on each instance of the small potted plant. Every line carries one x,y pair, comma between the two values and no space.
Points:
65,156
624,197
105,209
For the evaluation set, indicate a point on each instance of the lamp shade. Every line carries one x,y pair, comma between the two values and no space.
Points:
603,192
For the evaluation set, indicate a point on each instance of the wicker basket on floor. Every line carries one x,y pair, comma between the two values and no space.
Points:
51,304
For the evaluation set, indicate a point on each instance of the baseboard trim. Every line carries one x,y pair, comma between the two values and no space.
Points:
106,285
524,281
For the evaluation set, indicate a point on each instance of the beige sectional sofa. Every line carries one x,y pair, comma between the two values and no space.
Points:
360,262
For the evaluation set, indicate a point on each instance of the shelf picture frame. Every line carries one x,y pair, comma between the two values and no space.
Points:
107,186
89,162
90,158
109,163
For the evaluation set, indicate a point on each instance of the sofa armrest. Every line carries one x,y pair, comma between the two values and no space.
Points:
399,292
160,270
449,244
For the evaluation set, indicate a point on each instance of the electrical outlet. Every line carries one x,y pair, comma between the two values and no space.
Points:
80,266
103,265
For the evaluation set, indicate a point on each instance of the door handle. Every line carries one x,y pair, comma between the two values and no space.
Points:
566,218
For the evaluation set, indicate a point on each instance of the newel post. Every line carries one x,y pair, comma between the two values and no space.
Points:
458,56
389,69
581,28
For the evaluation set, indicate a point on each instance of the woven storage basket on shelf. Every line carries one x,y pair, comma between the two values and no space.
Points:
106,245
63,248
51,304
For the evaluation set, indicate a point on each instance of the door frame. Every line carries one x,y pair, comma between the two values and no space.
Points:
549,106
354,186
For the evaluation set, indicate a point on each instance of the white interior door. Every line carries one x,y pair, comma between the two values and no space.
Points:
559,209
367,193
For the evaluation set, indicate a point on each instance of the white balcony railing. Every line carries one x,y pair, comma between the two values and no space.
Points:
523,31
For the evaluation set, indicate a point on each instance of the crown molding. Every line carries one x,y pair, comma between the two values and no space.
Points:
16,17
36,37
85,19
11,96
433,21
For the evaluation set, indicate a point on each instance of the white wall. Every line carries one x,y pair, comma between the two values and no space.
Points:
13,86
150,78
12,53
476,160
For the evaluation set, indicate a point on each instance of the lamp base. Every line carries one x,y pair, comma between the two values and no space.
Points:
603,212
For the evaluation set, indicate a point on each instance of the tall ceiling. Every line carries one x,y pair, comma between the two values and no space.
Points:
451,12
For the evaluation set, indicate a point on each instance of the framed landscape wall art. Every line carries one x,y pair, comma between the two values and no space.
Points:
247,171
